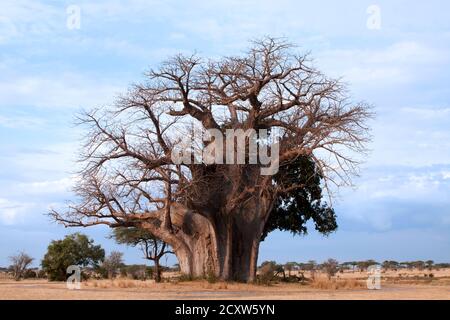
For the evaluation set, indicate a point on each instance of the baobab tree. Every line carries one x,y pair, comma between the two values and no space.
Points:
214,214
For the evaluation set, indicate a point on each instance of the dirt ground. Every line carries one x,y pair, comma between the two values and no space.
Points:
41,289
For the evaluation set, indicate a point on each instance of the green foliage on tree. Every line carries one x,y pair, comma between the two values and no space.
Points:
301,201
152,247
75,249
429,264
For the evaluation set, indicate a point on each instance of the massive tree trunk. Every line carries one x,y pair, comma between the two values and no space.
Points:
231,255
223,247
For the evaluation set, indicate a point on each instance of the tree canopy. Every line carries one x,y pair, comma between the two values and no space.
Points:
74,249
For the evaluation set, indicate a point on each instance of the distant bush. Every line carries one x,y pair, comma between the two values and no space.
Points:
136,272
41,274
30,274
268,272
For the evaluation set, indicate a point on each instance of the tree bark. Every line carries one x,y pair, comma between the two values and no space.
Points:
225,248
236,256
157,271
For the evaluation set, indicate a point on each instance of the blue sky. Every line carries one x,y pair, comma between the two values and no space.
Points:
400,206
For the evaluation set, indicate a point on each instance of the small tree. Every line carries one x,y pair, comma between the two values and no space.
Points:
330,267
429,264
75,249
19,264
113,263
153,248
289,266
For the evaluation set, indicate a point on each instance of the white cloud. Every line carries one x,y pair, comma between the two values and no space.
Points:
25,18
398,63
405,52
7,30
47,186
50,165
387,197
22,122
12,212
67,90
428,113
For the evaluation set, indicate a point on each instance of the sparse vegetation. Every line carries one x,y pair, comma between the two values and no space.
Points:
19,264
152,247
334,284
330,267
112,264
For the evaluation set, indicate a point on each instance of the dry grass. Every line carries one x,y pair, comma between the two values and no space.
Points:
194,290
348,285
128,283
120,283
336,284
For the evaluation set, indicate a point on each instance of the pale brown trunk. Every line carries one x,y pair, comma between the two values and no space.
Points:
226,248
236,252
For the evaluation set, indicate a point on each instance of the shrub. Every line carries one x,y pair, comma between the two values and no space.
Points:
41,274
267,273
30,274
211,276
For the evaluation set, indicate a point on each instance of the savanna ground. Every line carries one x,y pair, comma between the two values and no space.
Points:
349,285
